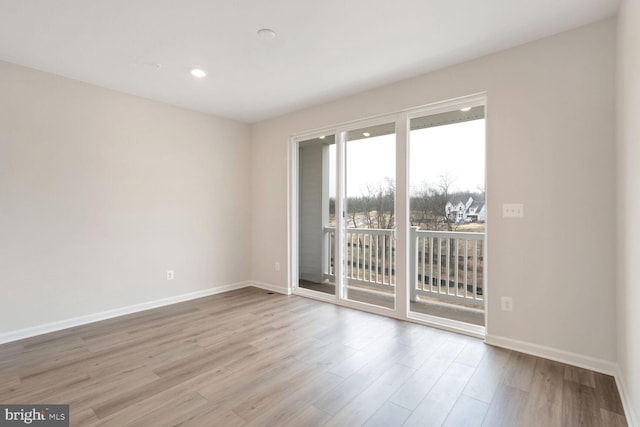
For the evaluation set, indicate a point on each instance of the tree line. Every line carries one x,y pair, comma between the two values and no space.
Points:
375,206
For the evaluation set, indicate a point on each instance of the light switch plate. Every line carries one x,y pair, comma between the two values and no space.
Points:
512,210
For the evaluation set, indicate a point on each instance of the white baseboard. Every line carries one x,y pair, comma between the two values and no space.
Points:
270,287
632,419
574,359
95,317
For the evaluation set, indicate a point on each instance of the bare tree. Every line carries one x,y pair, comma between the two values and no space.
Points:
354,206
427,208
445,182
379,204
429,202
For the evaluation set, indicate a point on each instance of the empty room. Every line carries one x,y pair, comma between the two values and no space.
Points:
319,213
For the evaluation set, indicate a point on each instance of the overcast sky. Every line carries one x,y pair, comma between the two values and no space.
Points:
457,150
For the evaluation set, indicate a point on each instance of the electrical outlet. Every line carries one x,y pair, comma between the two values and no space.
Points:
513,210
169,274
276,266
507,304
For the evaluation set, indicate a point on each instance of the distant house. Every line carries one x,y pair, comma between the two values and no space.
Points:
465,209
456,208
477,212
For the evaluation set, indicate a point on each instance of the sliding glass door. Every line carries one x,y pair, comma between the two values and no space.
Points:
390,214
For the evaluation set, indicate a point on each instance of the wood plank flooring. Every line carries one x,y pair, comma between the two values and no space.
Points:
251,358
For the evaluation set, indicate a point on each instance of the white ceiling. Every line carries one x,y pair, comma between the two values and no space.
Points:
324,49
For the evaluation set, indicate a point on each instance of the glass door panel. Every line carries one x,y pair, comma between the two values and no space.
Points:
316,214
448,214
369,237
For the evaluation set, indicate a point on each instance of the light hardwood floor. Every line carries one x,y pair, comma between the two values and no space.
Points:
249,357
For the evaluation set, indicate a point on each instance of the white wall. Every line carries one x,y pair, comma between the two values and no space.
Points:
628,248
550,144
101,193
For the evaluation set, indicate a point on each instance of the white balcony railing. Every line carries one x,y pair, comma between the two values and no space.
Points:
446,266
370,257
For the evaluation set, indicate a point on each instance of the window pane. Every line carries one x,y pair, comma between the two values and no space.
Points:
370,251
316,209
448,214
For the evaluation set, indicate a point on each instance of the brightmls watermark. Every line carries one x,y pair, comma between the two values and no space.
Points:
34,415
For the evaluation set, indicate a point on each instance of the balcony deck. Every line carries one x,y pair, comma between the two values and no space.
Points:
382,298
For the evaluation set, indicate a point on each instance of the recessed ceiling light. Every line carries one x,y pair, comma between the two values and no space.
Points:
465,109
198,72
366,134
266,34
322,137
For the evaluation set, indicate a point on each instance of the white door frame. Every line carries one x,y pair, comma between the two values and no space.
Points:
401,120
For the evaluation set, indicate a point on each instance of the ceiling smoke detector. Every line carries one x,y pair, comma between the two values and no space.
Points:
266,34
